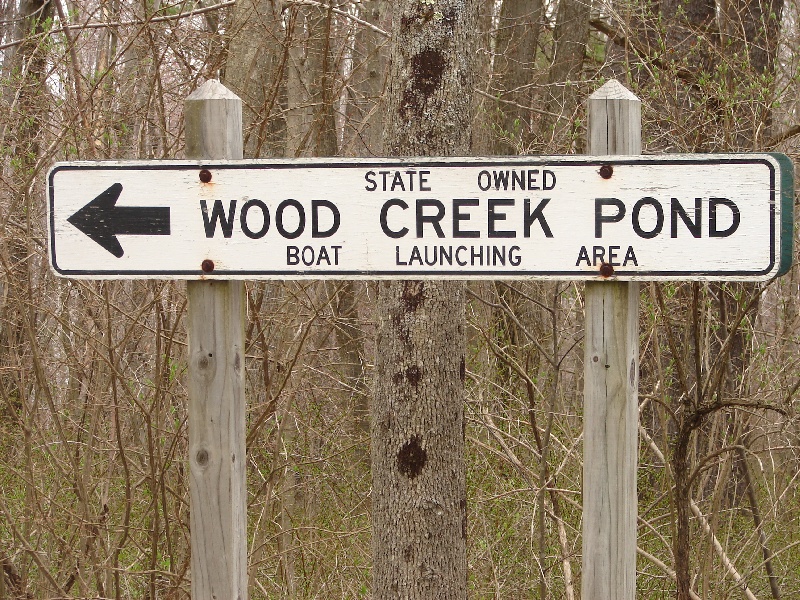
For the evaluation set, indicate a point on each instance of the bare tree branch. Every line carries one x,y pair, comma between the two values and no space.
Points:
113,24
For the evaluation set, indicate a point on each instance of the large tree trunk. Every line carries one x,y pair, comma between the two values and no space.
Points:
430,95
418,465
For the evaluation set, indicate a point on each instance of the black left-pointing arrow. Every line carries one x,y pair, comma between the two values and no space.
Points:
103,221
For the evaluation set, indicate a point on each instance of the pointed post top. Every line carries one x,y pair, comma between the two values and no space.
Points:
613,90
615,120
213,117
212,90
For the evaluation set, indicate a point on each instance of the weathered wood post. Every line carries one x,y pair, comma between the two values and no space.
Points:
216,381
611,382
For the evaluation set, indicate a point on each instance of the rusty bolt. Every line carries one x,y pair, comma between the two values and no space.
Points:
606,270
606,171
205,175
207,266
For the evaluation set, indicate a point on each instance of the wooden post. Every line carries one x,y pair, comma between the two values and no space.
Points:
611,381
216,382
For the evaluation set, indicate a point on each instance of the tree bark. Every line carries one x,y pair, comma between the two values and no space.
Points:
680,546
431,78
324,71
418,466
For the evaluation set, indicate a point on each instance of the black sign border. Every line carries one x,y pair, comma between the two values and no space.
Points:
619,274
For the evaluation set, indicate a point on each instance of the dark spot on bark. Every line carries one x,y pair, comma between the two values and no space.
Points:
413,375
462,370
412,458
426,71
413,295
427,68
237,363
400,326
408,553
449,19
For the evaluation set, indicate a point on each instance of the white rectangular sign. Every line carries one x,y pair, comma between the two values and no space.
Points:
691,217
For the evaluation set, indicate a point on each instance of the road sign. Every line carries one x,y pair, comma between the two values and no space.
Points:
691,217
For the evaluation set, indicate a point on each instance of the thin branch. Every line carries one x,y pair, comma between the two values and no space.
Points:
670,572
517,104
114,24
716,405
759,525
620,39
341,12
721,358
708,458
729,566
782,136
30,550
507,311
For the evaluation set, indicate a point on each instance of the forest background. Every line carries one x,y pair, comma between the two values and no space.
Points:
93,440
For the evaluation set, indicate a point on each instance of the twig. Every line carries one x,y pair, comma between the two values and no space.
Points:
29,549
708,458
721,552
757,521
510,314
782,136
672,575
624,41
341,12
518,105
112,24
706,527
